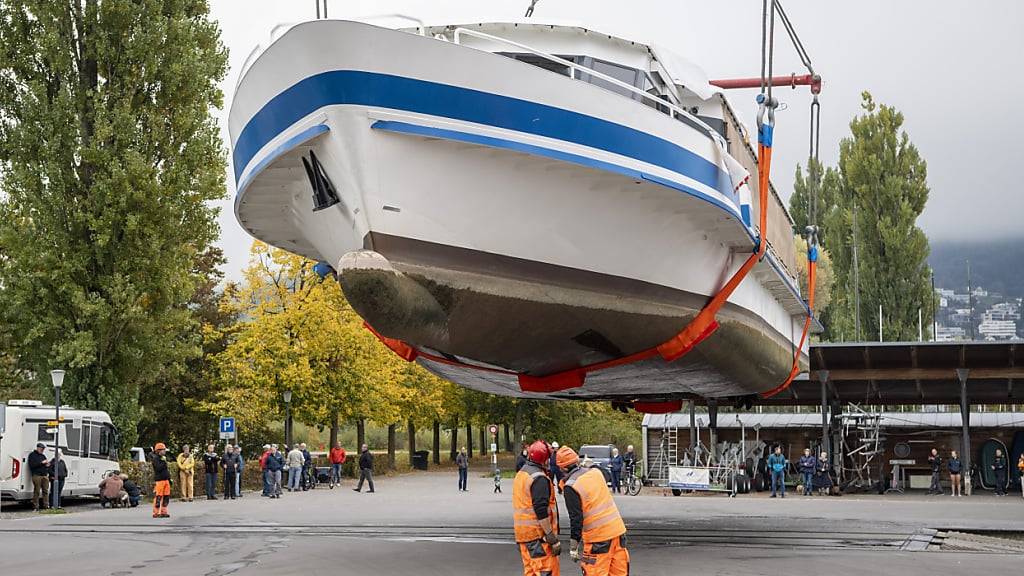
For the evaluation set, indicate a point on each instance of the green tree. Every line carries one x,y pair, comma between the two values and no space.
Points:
109,159
883,191
885,176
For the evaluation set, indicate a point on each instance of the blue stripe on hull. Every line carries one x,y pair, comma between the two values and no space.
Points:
419,96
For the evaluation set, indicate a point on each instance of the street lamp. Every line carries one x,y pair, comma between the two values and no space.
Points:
288,417
57,376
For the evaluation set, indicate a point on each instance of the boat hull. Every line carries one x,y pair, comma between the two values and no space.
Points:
469,231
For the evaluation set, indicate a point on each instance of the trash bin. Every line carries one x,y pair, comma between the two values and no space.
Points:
419,459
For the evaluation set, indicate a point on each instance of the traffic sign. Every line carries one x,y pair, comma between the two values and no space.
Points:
227,427
493,429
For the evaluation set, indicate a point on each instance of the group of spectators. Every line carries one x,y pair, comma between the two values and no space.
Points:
230,464
999,468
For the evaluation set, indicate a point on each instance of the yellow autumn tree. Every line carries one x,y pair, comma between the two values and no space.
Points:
297,332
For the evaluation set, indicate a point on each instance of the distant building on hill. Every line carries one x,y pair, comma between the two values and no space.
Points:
950,333
998,329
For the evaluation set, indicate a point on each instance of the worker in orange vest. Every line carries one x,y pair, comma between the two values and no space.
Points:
161,482
535,513
594,520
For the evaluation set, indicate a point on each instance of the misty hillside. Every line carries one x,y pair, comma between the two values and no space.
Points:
997,266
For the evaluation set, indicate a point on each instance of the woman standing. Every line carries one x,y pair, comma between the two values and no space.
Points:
955,468
822,475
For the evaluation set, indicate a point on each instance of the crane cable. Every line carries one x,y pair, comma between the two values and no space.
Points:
811,231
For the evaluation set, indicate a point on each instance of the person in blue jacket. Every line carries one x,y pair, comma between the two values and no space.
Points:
616,465
806,466
777,466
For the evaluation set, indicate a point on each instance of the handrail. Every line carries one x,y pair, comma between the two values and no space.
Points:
259,48
585,70
418,21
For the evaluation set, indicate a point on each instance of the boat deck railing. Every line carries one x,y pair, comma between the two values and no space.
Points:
660,104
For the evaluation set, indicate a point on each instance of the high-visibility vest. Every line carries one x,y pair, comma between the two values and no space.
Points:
527,526
601,519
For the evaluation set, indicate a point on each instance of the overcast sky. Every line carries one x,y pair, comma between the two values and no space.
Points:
952,68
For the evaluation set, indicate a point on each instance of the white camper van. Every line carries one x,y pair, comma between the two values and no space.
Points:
88,441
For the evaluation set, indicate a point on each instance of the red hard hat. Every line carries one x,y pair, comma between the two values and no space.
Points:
539,452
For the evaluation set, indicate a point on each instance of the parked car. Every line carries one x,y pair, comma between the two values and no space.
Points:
600,455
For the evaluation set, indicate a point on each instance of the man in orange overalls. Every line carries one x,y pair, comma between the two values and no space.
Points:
535,513
594,520
161,482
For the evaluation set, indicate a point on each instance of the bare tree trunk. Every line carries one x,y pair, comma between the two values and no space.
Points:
469,439
518,427
455,437
483,441
334,430
391,446
412,439
508,439
360,433
437,442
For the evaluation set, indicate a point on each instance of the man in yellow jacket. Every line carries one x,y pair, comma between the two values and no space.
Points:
596,530
186,469
535,514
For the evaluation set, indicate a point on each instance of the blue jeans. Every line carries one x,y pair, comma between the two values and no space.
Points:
238,483
336,473
211,485
268,482
463,478
808,483
294,476
779,481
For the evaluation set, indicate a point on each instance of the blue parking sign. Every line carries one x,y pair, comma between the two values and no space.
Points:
227,425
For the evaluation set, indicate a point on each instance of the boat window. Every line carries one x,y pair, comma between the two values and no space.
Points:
625,74
544,63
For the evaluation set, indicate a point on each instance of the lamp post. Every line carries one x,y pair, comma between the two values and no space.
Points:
57,376
288,417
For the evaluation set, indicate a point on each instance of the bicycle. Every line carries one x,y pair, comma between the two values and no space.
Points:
631,482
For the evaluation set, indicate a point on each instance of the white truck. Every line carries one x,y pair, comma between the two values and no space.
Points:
88,442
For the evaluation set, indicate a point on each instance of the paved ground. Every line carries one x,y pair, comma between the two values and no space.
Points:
419,524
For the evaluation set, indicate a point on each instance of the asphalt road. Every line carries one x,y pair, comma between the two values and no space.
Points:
420,524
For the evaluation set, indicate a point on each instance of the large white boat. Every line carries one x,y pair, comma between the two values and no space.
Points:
511,202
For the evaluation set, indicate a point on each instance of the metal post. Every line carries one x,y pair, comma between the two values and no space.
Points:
823,378
712,431
935,323
288,424
856,277
56,453
965,416
693,431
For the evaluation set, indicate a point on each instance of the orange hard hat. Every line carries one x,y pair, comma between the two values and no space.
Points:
160,446
566,457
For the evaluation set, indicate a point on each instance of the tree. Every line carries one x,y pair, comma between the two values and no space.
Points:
884,182
297,332
109,159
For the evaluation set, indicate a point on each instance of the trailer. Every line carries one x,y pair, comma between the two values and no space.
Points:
88,443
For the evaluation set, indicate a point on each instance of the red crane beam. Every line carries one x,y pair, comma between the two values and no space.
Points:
812,80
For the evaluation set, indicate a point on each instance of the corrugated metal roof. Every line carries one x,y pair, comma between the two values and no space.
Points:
813,420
